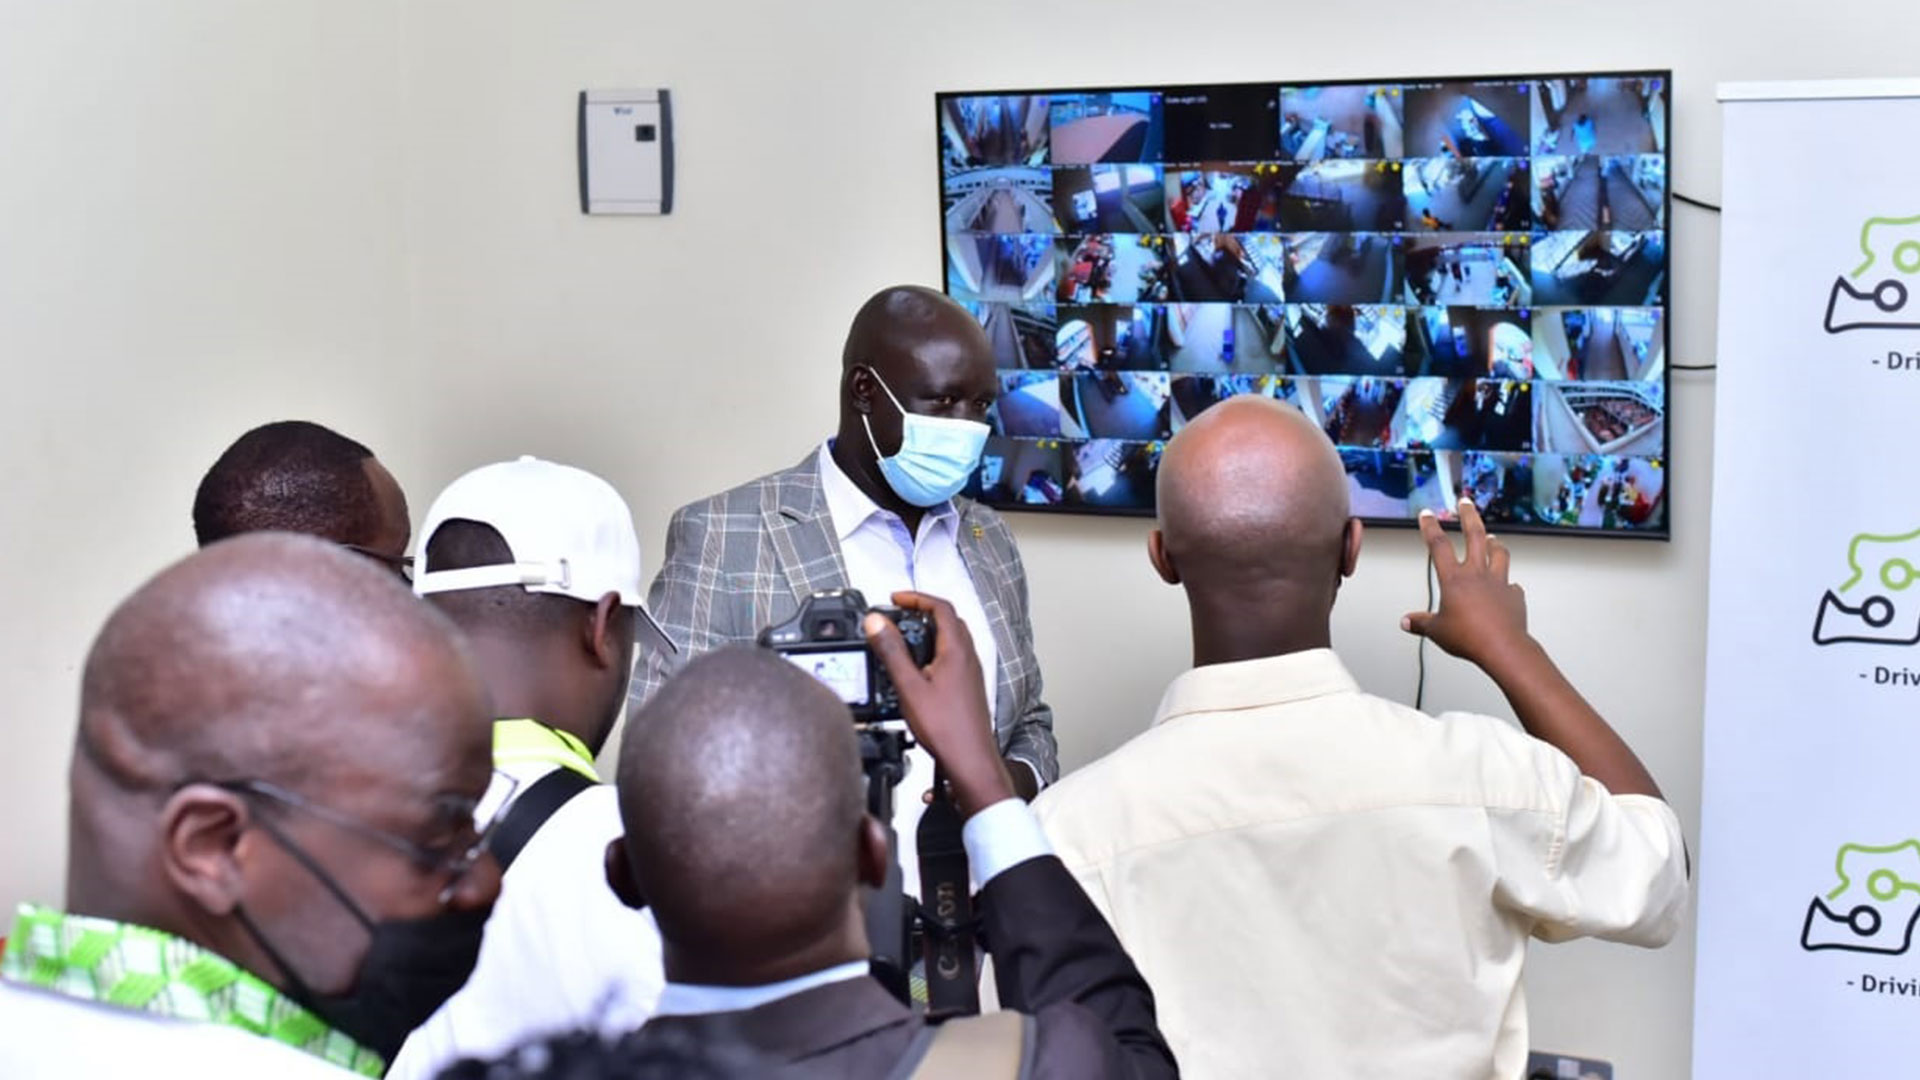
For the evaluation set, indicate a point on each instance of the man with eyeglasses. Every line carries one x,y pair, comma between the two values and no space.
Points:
538,564
280,797
297,476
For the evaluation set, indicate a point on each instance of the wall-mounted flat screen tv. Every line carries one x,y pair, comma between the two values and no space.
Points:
1463,281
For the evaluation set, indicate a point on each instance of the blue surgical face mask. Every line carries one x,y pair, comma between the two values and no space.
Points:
937,454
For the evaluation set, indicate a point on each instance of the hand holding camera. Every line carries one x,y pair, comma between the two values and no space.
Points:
944,701
824,638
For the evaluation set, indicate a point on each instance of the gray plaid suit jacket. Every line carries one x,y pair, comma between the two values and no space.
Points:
744,559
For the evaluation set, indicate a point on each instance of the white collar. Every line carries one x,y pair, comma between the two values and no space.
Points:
850,507
685,999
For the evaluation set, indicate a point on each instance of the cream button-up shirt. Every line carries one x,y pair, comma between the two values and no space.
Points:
1322,883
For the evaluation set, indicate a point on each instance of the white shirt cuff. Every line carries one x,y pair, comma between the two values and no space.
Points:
1002,837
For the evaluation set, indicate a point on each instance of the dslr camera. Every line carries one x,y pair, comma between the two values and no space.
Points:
825,639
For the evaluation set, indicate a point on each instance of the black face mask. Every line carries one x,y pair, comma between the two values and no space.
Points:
411,968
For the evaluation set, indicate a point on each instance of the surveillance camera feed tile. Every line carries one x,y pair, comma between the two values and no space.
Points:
1462,281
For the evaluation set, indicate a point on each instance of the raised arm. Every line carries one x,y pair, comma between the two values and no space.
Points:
1482,619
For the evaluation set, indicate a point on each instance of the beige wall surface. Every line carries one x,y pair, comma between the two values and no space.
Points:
202,216
365,213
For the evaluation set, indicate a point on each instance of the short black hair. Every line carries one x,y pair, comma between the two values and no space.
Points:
289,476
644,1055
462,544
732,874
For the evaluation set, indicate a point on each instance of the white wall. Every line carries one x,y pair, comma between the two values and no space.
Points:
366,213
202,216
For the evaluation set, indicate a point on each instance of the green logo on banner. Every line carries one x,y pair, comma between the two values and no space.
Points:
1890,247
1875,905
1880,568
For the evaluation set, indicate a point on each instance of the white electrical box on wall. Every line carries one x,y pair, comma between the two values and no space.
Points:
626,152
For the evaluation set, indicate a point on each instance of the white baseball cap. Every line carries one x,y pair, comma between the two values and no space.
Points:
570,532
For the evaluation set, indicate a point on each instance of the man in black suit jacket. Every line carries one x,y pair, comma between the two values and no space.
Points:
747,833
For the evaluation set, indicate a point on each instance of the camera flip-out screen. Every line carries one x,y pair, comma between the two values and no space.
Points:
824,638
843,672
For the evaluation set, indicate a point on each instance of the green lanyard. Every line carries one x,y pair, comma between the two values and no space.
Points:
526,742
145,970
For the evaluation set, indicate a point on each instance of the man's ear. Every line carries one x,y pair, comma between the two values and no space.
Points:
620,876
201,850
1350,547
860,388
875,857
1162,559
603,635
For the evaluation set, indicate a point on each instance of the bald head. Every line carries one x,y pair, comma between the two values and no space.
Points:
267,657
240,659
1253,495
742,796
898,319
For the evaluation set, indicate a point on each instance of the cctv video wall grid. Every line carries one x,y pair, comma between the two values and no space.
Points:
1463,281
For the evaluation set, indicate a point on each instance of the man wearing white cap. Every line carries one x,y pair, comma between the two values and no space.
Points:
538,563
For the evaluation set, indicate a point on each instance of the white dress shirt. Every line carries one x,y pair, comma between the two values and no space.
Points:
561,951
49,1036
882,558
997,839
1318,882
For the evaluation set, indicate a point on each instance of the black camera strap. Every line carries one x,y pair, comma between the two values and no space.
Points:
531,810
946,910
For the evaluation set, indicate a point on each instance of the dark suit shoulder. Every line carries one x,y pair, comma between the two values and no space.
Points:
1071,1043
851,1028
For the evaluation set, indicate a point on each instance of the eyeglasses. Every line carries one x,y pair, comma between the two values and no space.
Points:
399,564
454,860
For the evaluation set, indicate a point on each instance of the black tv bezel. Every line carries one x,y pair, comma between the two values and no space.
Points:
1663,533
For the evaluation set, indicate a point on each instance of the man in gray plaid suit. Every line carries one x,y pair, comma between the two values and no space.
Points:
874,509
